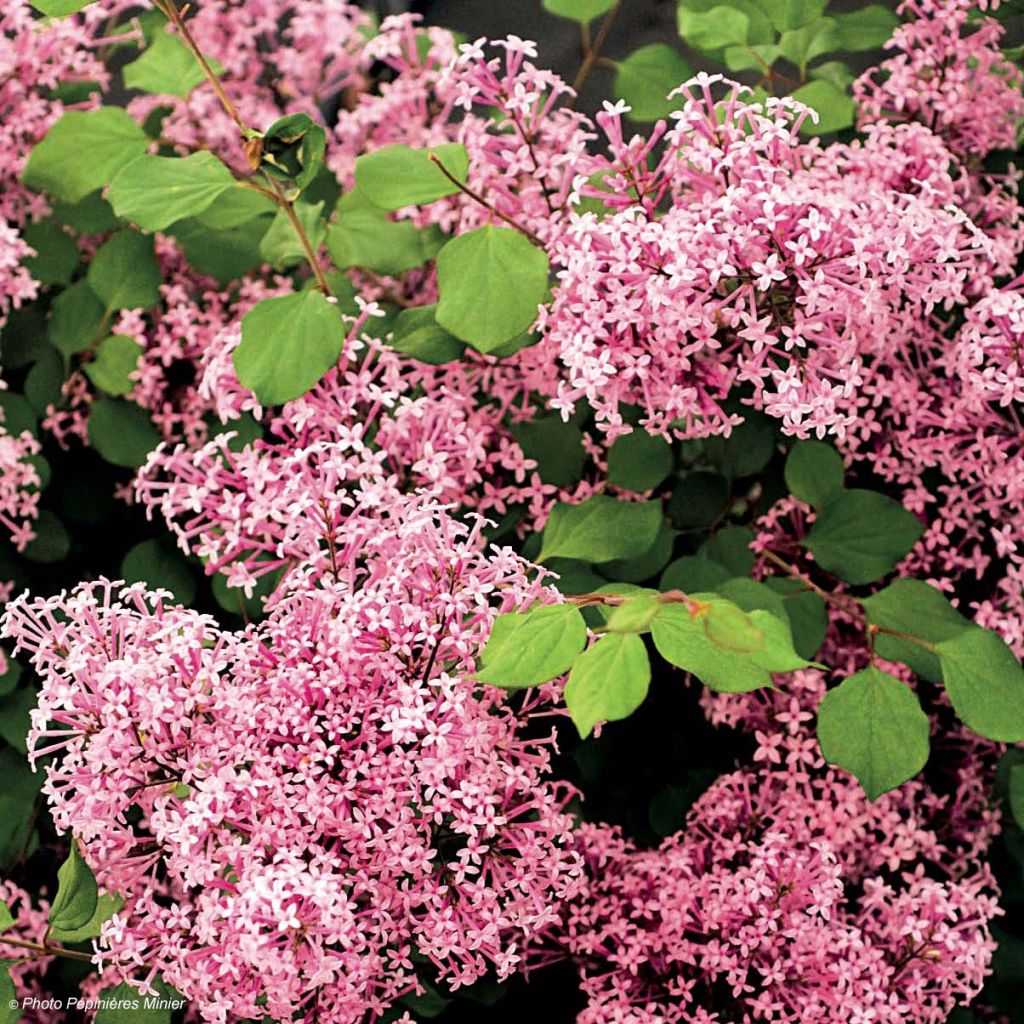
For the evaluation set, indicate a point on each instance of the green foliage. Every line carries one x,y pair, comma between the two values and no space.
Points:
985,683
699,499
529,648
393,177
418,335
83,151
600,529
814,472
158,564
117,357
77,895
806,611
121,432
873,726
639,461
746,450
714,29
107,905
364,238
491,282
582,11
59,8
18,797
124,273
124,1004
646,77
51,542
608,682
860,535
281,245
288,344
556,447
1016,793
727,649
834,107
292,149
56,252
915,616
157,191
10,1007
167,67
77,318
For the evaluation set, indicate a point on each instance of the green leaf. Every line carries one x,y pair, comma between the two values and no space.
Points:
751,596
808,616
730,547
985,683
711,30
556,446
281,246
646,77
18,797
10,1005
417,335
802,45
167,68
491,282
635,614
159,564
834,71
646,564
393,177
124,273
77,896
529,648
872,725
582,11
59,8
834,107
919,611
694,574
1017,793
288,344
365,239
790,14
56,253
107,906
16,717
600,529
51,542
292,149
117,357
699,499
43,382
639,461
6,917
157,191
866,28
751,58
747,449
121,432
860,535
125,1004
92,215
76,317
225,254
83,151
728,656
608,682
814,472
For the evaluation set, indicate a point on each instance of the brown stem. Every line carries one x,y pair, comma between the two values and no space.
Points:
592,49
43,949
169,8
485,203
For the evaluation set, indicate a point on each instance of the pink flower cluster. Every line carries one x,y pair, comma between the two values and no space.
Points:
19,485
325,800
788,897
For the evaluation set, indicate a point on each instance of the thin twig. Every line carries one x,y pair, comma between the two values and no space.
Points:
473,194
592,50
44,949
